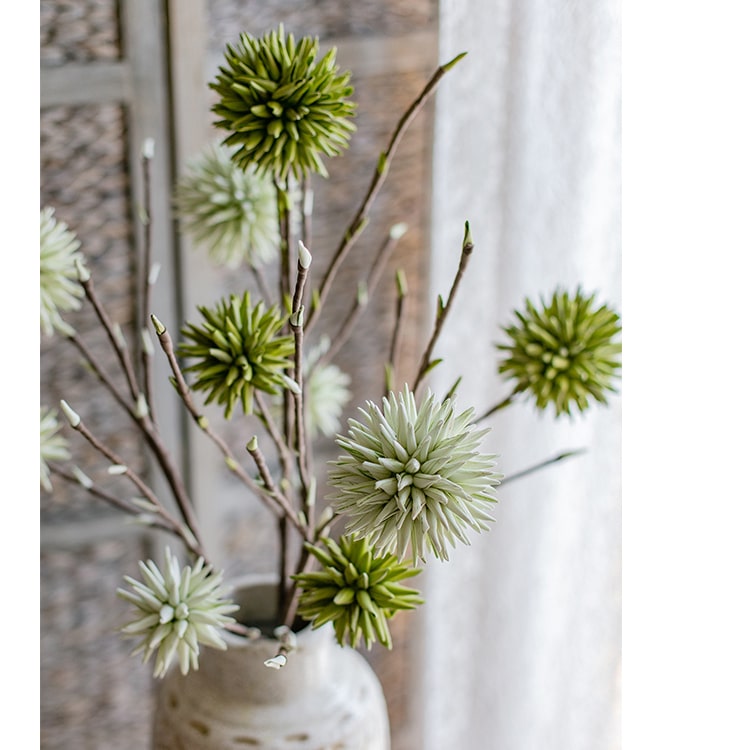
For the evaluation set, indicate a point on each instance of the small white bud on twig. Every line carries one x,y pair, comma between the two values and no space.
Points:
291,384
148,347
153,274
398,230
297,318
116,469
83,479
147,150
72,416
141,406
83,273
305,256
277,662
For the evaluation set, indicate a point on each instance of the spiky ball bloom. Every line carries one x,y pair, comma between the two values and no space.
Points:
239,349
229,210
357,590
563,352
53,447
176,611
60,290
413,476
282,107
326,394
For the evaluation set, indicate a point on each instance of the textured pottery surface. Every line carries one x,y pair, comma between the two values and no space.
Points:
325,698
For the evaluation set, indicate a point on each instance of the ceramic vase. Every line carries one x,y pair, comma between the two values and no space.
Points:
326,697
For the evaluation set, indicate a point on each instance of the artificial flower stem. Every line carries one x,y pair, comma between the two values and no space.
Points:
282,203
361,298
307,204
270,486
378,178
262,284
392,364
543,464
275,501
162,520
296,321
144,423
146,158
141,486
497,407
117,341
443,309
285,457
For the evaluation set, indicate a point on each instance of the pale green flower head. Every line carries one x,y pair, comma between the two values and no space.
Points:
53,446
176,610
563,352
59,289
230,211
413,476
326,394
283,108
238,349
357,590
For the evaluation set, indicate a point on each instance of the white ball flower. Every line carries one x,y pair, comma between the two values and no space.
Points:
414,476
176,611
326,393
230,211
53,447
59,288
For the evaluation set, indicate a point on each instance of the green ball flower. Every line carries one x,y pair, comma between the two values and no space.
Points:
53,447
59,288
413,476
356,590
238,350
563,352
176,611
283,108
229,210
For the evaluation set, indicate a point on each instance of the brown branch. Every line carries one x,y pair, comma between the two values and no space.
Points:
392,366
143,422
443,309
114,334
275,501
360,219
77,424
161,520
363,294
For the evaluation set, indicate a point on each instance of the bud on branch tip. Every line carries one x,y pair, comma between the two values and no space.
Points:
71,415
159,327
305,257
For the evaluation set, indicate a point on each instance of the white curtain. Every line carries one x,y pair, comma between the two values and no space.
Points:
522,629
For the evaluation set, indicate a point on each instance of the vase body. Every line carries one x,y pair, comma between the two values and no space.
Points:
325,698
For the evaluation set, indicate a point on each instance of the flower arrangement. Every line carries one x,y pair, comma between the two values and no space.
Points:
411,480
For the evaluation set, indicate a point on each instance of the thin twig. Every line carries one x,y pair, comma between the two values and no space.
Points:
77,424
443,309
296,322
392,365
260,280
363,294
497,407
270,486
113,333
360,219
158,516
275,500
149,273
143,422
542,465
285,457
